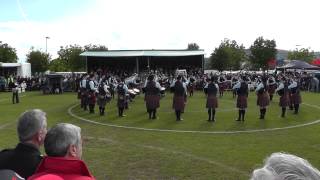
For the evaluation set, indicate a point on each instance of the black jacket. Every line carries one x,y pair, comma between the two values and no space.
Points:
24,159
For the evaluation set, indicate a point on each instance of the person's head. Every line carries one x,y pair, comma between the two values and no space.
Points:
64,140
32,127
179,78
151,77
282,166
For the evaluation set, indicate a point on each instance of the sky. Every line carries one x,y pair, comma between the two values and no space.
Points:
157,24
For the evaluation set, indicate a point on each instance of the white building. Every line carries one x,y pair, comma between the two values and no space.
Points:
18,69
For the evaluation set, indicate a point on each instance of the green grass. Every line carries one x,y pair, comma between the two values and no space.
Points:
117,153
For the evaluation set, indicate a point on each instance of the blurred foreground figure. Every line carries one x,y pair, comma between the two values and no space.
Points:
282,166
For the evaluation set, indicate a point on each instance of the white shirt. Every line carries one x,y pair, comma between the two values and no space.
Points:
293,85
281,86
91,84
237,86
260,86
83,83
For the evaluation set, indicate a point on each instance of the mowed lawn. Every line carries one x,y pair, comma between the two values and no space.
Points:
121,153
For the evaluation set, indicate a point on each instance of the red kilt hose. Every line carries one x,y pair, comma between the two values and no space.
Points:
212,102
91,98
296,98
272,89
263,99
152,101
179,102
242,102
284,100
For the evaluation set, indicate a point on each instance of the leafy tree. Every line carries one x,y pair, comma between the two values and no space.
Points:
7,53
262,51
57,65
91,47
302,54
227,56
39,60
70,55
193,46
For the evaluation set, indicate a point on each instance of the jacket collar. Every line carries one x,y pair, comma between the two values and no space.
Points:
63,165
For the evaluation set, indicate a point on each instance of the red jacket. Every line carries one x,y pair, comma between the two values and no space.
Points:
60,168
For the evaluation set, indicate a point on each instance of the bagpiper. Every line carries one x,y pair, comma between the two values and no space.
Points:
262,97
180,97
222,85
92,94
283,92
122,90
152,96
271,86
211,90
242,97
104,96
295,97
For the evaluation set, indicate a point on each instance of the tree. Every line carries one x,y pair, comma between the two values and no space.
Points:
7,53
193,46
262,51
39,60
70,56
57,65
99,47
227,56
302,54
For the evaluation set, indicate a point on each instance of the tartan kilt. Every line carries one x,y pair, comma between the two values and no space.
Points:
178,103
122,101
263,99
242,102
91,98
272,89
296,98
212,102
152,101
222,86
284,100
101,101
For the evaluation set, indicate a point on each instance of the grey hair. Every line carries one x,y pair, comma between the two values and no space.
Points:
282,166
29,123
60,137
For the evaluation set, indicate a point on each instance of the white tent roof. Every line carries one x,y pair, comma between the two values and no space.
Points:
133,53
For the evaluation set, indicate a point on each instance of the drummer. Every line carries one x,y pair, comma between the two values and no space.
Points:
152,96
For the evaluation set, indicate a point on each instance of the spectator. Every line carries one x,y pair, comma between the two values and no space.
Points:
281,166
24,159
63,146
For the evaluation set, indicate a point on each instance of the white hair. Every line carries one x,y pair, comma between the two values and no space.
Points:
60,137
282,166
29,123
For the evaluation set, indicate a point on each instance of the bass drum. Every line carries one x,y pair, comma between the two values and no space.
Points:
131,93
137,91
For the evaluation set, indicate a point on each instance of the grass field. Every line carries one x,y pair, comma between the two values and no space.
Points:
122,153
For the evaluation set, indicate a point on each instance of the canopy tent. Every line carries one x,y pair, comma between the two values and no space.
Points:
316,62
297,64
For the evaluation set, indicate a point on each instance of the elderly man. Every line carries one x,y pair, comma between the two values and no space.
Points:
63,145
282,166
24,159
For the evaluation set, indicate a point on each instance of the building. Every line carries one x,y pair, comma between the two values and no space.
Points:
15,69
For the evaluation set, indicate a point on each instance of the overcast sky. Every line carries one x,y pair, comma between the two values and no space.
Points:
157,24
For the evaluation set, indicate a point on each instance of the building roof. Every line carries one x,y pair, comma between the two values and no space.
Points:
137,53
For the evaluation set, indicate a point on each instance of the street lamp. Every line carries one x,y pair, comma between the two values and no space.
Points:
47,43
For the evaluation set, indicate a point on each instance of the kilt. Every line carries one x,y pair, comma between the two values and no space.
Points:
295,98
272,89
79,94
122,101
91,98
179,103
212,102
222,86
101,101
263,99
284,100
152,101
242,102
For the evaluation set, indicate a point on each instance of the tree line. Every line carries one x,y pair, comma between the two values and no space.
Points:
229,55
